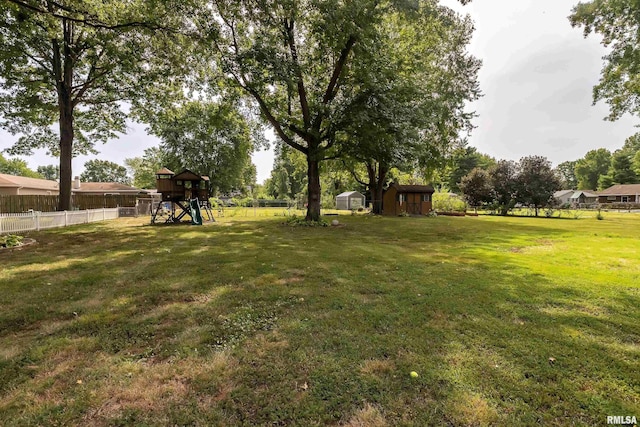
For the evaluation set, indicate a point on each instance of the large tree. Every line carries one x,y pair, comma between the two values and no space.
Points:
209,138
408,110
295,58
476,187
536,182
74,63
567,172
104,171
589,169
504,187
618,22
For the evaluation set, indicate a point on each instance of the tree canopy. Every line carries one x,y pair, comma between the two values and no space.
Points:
104,171
304,64
618,22
16,167
74,63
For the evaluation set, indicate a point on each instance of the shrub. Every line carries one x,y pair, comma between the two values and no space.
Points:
10,241
299,221
448,202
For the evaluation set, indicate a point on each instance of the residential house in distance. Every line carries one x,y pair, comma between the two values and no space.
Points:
581,198
106,188
11,185
562,196
620,193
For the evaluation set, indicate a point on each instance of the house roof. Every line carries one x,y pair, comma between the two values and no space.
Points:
12,181
587,194
621,190
106,187
350,193
413,188
561,193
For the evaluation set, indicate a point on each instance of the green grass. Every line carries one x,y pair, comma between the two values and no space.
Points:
249,322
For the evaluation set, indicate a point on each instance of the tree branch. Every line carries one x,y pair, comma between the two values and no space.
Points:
331,91
91,21
302,92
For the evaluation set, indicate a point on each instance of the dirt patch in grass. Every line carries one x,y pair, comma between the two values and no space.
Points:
368,416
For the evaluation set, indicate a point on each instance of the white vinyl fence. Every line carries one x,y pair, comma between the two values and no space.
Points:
16,222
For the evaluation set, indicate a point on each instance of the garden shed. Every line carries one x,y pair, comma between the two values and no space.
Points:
350,200
409,199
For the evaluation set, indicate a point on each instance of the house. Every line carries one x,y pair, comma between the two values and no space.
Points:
411,199
105,188
620,193
582,197
350,200
562,197
11,185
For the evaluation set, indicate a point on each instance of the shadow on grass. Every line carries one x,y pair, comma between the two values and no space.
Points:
255,323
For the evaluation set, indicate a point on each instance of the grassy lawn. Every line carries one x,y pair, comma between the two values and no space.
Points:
507,321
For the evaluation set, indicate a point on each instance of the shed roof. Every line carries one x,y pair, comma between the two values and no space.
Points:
187,175
413,188
621,190
350,193
13,181
165,171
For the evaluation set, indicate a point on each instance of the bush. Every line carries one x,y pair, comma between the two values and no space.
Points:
299,221
448,202
10,241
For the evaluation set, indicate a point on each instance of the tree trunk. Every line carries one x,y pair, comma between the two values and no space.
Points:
66,155
313,189
63,63
376,186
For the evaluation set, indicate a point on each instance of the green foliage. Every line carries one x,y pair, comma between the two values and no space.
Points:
297,221
209,138
476,187
622,171
51,172
567,172
447,202
143,169
589,169
618,22
289,174
104,171
461,162
74,64
315,67
504,187
536,182
16,167
10,241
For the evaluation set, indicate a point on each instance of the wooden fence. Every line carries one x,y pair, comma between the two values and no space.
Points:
16,204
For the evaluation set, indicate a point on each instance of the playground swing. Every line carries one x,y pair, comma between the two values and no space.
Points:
187,191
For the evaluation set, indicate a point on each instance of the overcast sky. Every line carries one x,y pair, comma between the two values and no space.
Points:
537,80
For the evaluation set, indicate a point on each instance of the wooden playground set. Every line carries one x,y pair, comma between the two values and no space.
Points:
185,195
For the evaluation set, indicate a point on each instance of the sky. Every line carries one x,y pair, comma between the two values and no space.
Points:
537,78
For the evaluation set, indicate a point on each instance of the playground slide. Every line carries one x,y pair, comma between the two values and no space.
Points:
196,215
